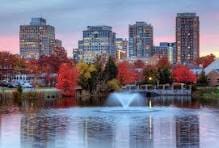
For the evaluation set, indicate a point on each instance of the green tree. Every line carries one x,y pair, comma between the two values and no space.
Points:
202,79
110,71
164,76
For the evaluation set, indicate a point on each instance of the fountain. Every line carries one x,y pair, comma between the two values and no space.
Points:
128,103
125,99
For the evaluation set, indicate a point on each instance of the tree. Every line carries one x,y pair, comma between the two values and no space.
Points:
139,64
205,60
67,79
113,85
126,74
87,76
163,67
163,63
164,76
49,65
110,70
151,75
202,79
11,64
182,74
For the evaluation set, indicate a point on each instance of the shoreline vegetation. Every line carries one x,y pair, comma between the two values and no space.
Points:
206,93
198,92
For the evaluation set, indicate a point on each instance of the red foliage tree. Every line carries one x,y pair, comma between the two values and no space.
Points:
182,74
67,79
139,64
49,65
126,74
205,60
11,64
163,63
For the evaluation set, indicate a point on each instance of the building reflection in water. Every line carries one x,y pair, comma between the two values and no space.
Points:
187,132
97,132
141,135
40,131
89,129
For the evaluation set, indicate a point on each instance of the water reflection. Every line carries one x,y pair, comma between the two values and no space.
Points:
90,129
58,125
187,131
43,131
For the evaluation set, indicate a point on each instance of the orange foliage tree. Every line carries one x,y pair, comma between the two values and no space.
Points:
205,60
126,74
67,79
182,74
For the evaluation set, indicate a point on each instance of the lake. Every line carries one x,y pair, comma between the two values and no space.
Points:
168,123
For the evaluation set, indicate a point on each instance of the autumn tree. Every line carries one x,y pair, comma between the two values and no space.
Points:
163,63
49,65
182,74
126,74
151,75
67,79
163,67
139,64
87,76
205,60
11,64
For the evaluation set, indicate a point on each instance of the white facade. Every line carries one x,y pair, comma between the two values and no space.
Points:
213,66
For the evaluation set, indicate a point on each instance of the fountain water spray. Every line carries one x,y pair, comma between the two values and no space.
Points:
125,99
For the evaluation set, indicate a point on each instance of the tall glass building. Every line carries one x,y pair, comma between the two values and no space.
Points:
36,39
140,40
187,37
97,40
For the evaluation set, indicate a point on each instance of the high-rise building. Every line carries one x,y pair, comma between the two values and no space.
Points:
58,43
140,40
121,48
36,39
166,49
97,40
187,37
77,54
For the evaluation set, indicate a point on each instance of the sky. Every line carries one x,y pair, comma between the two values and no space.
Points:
71,17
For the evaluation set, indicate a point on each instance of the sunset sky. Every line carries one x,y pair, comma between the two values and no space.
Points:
70,17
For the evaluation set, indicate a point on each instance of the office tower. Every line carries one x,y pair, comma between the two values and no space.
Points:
140,40
36,39
58,43
121,48
166,49
97,41
187,37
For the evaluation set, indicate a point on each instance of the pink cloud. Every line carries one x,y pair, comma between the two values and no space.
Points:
9,43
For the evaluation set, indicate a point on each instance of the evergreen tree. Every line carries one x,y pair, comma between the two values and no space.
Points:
164,76
202,79
110,71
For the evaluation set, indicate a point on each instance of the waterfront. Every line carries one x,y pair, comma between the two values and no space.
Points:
171,122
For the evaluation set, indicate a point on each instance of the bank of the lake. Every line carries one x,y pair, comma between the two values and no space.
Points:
30,93
206,93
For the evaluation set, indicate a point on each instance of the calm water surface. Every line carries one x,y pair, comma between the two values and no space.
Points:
170,123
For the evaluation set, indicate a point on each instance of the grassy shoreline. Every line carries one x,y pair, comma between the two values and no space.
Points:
211,93
9,93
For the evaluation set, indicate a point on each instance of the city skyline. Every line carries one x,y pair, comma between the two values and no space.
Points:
71,18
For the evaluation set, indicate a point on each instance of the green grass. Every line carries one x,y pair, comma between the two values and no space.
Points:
206,93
